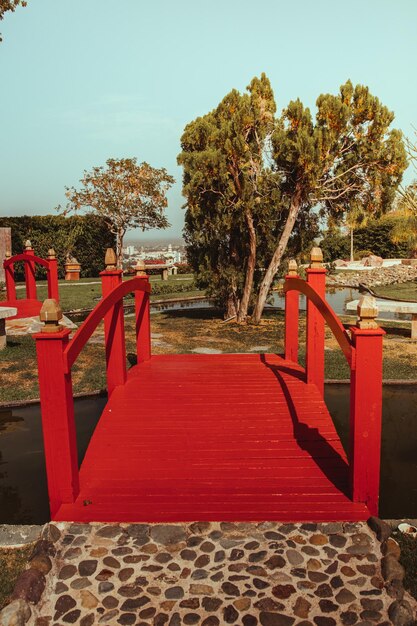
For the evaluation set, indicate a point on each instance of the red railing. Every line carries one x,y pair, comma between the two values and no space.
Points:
30,259
56,356
362,348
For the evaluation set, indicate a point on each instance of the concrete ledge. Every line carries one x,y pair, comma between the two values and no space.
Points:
12,536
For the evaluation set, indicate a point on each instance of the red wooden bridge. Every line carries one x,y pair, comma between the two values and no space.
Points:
213,437
29,306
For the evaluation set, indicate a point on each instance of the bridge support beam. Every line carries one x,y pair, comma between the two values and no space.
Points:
53,291
114,330
55,390
316,278
143,320
366,407
30,273
292,299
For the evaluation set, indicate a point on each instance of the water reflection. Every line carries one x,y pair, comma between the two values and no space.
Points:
23,490
398,494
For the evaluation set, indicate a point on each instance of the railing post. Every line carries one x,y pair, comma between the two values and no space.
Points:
55,389
30,273
366,406
142,314
114,331
291,316
10,281
53,291
316,278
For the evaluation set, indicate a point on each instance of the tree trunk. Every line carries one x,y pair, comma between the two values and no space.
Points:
351,244
250,270
276,259
231,310
119,248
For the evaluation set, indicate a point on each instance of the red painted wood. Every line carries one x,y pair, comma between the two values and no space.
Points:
316,278
188,438
143,322
29,306
366,416
60,445
30,279
85,331
25,308
53,291
10,282
291,322
24,256
114,332
327,312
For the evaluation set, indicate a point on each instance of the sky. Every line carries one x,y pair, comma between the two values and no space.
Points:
87,80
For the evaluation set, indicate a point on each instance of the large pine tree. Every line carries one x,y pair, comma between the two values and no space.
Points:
347,157
229,192
253,182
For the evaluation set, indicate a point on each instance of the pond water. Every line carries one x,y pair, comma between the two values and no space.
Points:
336,297
23,492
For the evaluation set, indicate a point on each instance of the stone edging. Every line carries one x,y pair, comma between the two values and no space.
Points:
400,611
30,584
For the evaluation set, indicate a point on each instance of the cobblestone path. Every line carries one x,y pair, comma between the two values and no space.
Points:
214,574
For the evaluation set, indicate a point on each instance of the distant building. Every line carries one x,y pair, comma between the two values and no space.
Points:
168,256
129,250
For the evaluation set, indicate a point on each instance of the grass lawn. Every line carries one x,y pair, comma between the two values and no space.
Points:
185,330
402,291
12,562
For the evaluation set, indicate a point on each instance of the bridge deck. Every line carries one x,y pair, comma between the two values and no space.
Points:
214,437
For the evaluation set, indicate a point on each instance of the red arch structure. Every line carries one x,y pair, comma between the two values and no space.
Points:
239,437
29,306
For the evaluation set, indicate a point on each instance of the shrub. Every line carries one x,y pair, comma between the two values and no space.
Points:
360,254
84,236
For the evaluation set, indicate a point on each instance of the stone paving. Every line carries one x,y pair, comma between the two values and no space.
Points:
32,325
214,574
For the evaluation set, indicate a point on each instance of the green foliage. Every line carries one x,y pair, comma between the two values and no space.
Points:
126,194
9,5
377,237
164,288
255,184
86,237
230,192
334,245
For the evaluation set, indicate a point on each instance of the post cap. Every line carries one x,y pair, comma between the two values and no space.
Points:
51,254
367,313
316,257
140,268
110,260
28,244
292,267
50,314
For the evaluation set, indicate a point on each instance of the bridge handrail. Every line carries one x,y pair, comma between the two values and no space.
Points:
330,317
30,258
85,331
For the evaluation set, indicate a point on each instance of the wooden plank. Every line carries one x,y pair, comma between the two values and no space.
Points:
217,437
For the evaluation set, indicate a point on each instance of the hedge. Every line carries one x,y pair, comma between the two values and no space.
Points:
375,237
84,236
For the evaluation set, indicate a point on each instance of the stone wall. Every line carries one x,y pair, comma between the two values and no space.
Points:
5,244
